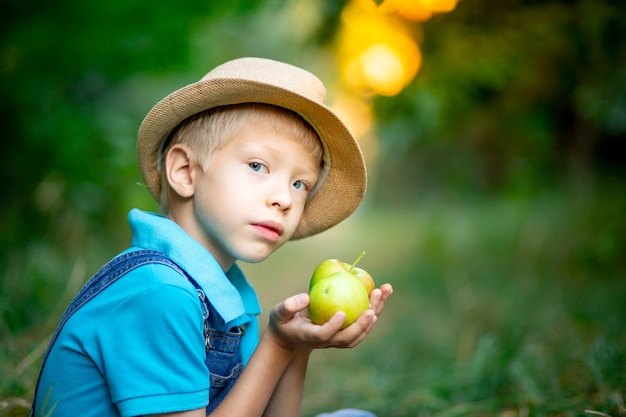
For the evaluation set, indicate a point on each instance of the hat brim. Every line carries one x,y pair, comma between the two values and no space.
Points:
346,180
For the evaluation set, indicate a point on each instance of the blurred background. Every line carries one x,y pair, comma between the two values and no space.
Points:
495,136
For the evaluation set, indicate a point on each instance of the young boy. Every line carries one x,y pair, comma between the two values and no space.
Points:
242,161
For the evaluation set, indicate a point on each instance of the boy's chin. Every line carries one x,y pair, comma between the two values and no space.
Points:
256,255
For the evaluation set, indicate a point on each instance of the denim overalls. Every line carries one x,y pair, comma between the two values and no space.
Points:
223,357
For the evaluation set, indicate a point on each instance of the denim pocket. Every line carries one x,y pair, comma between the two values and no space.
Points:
223,360
219,381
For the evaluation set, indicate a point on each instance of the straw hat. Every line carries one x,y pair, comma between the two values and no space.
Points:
258,80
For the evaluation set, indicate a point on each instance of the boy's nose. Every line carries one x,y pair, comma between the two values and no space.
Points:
281,198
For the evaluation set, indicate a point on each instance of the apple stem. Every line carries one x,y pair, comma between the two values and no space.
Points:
356,261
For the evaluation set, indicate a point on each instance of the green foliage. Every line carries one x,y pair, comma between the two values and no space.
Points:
514,95
60,62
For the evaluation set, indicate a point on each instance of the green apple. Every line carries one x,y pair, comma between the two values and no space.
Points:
330,266
340,291
365,277
325,269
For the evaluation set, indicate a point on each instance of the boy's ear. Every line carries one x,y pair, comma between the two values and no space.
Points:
179,166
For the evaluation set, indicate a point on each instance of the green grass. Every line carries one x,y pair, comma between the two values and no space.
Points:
503,307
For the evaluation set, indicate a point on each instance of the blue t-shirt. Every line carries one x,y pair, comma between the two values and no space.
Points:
138,347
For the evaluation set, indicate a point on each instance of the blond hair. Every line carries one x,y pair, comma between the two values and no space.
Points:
209,130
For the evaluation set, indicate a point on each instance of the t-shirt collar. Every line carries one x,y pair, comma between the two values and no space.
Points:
230,293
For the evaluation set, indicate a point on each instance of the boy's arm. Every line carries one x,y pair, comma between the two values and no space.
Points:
287,397
276,369
273,379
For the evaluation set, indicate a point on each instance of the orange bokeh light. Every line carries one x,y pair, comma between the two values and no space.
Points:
376,50
418,10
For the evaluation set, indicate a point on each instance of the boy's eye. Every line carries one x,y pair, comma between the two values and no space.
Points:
257,166
299,185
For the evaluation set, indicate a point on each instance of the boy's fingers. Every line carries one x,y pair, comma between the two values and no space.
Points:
349,336
333,325
288,308
357,331
387,290
379,297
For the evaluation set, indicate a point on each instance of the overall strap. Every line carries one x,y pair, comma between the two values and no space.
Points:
109,274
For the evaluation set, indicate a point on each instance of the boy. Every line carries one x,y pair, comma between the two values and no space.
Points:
242,161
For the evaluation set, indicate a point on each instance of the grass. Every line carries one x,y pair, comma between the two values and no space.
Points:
502,307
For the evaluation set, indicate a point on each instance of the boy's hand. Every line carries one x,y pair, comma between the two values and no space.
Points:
379,297
291,328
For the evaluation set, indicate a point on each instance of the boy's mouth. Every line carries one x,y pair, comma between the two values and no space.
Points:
269,230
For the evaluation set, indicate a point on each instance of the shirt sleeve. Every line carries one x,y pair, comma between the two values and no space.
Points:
151,348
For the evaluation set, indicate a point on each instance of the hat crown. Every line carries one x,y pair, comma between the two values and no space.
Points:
268,72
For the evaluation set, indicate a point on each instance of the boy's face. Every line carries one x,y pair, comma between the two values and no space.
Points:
250,196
